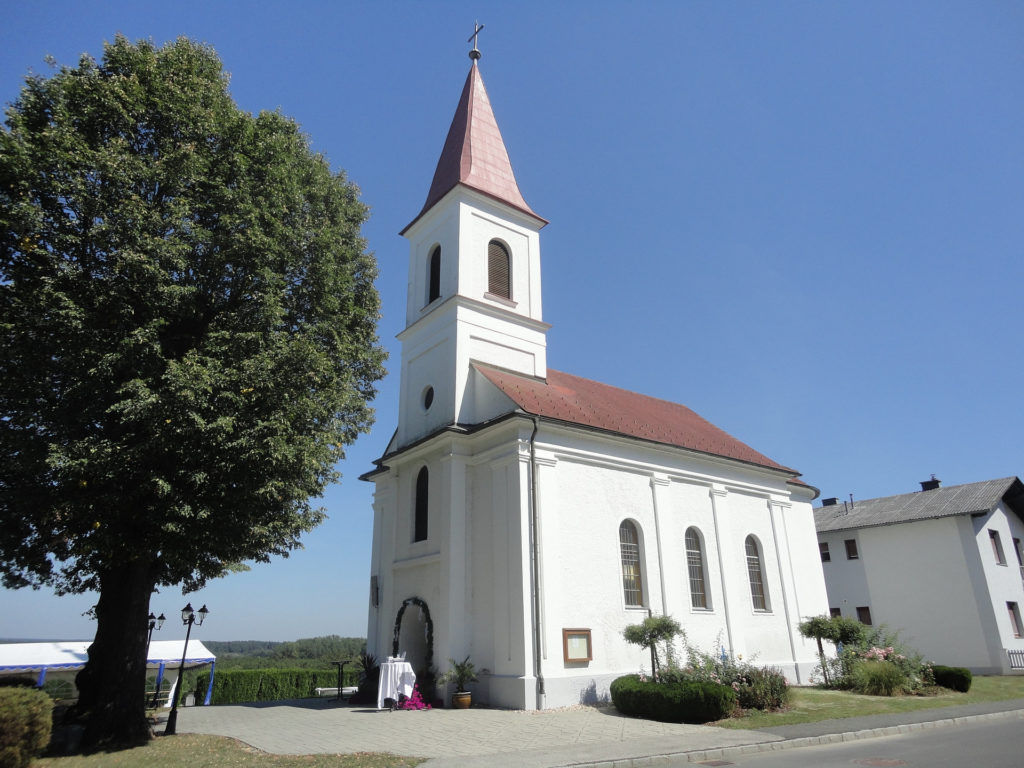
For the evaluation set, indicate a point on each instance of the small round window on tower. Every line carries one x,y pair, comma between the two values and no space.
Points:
428,398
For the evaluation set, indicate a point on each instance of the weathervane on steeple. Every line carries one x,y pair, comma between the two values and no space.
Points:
475,53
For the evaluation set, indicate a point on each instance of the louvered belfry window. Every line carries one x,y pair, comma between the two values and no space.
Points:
695,564
499,270
629,546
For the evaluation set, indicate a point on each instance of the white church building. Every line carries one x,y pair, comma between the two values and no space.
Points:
524,516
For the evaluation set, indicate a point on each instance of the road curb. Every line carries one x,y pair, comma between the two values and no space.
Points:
725,753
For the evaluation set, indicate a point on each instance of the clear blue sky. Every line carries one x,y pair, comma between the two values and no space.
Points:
804,220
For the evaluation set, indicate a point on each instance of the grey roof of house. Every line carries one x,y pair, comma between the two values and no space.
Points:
923,505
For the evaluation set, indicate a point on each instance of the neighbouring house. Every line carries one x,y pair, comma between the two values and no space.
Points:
524,516
944,566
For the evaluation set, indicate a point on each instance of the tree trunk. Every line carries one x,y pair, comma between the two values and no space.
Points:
821,657
112,687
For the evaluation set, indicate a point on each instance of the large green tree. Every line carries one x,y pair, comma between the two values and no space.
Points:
188,333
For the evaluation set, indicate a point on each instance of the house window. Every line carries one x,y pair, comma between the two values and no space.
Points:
420,511
997,547
851,549
499,270
629,548
823,549
1020,557
835,613
697,569
864,614
1015,624
434,274
758,593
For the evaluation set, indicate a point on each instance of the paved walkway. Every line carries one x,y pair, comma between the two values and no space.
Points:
579,737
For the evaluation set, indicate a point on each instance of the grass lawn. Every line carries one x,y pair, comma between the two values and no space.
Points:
193,750
809,705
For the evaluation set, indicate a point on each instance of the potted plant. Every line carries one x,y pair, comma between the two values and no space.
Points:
460,673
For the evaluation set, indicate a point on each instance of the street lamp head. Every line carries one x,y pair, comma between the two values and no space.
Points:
160,621
187,614
202,615
152,620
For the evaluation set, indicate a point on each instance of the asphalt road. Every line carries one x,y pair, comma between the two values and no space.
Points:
988,744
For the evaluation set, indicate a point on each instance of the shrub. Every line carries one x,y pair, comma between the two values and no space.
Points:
878,678
762,688
954,678
655,630
875,644
26,720
17,682
756,687
690,701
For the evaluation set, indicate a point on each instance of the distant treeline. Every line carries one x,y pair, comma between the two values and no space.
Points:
309,652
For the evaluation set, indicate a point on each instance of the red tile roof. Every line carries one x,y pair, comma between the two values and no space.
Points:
576,400
474,153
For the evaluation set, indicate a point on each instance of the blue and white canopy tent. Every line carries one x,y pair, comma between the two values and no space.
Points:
41,658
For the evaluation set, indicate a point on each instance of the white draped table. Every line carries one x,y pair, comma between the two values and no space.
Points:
396,678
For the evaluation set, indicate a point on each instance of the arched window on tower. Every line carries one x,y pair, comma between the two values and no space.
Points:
499,270
629,549
696,568
434,274
755,572
419,524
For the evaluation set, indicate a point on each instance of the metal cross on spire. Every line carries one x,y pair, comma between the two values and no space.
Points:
475,53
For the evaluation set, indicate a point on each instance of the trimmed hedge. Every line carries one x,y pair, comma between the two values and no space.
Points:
688,701
954,678
26,721
241,686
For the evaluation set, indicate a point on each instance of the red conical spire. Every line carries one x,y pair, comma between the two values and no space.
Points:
474,153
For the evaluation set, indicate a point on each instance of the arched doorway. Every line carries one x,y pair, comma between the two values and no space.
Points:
414,635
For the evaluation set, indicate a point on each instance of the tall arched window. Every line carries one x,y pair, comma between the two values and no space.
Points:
697,569
499,270
434,274
419,524
629,548
758,591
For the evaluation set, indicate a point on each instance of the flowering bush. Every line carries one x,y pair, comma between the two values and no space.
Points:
880,664
413,702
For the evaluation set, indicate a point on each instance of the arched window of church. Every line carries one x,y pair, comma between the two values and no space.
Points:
499,270
629,548
419,526
697,568
434,274
755,572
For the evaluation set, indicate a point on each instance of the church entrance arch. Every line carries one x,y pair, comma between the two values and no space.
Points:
414,634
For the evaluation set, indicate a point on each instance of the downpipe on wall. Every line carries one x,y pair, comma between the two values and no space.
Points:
535,567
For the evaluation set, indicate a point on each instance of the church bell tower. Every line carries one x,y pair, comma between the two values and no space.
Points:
474,275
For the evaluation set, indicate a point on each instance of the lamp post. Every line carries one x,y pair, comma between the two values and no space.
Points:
157,623
188,618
